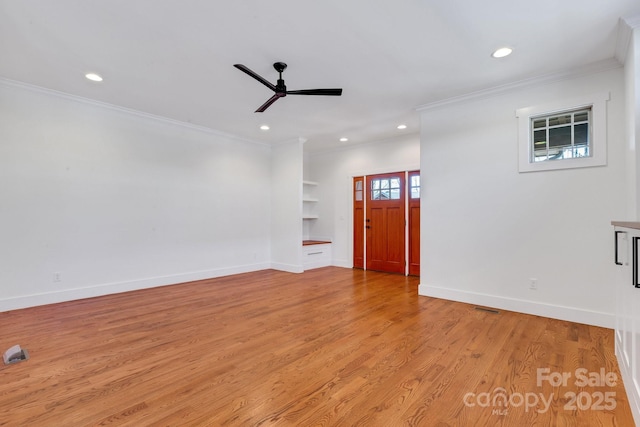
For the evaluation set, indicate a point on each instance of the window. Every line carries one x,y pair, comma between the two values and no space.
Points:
414,186
563,135
358,190
385,189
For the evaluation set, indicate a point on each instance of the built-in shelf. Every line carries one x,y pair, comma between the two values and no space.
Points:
316,250
309,200
314,242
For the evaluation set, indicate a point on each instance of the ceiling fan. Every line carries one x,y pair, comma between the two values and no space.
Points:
280,89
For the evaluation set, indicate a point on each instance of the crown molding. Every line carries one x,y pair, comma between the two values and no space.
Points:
626,25
369,143
128,111
593,68
296,140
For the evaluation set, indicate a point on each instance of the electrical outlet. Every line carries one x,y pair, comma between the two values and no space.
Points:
57,277
533,284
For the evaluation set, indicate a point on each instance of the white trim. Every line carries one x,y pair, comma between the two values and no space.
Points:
129,111
626,25
367,143
383,170
596,67
627,378
407,194
44,298
344,263
598,104
571,314
289,268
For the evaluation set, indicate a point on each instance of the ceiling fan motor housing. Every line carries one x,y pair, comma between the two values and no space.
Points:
280,66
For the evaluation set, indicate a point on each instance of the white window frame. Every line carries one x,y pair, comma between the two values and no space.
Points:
597,128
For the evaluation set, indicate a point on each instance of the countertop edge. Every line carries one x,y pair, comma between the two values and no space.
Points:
626,224
314,242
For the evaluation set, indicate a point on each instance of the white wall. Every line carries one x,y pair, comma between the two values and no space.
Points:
334,172
487,229
115,201
632,79
286,220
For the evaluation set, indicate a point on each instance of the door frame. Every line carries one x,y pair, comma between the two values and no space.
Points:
378,171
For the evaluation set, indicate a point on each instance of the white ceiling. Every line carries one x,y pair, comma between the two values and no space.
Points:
175,58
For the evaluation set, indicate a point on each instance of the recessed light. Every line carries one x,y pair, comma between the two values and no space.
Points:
343,139
93,77
402,127
502,52
264,127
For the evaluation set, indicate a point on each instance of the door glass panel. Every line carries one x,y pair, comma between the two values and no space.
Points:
358,191
414,187
385,189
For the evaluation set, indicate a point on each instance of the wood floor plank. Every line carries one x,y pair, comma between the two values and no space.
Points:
329,347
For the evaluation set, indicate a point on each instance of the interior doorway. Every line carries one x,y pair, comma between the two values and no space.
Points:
386,219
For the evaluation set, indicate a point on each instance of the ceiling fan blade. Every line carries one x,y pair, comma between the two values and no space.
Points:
266,105
329,92
255,76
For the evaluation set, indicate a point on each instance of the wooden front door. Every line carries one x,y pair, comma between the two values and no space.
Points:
385,222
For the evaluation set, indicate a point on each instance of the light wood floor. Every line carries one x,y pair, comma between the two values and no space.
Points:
330,347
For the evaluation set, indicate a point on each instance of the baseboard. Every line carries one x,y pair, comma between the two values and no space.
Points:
44,298
342,263
289,268
633,396
316,264
571,314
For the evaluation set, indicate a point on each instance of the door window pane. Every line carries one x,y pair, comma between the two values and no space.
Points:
358,191
414,187
385,188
